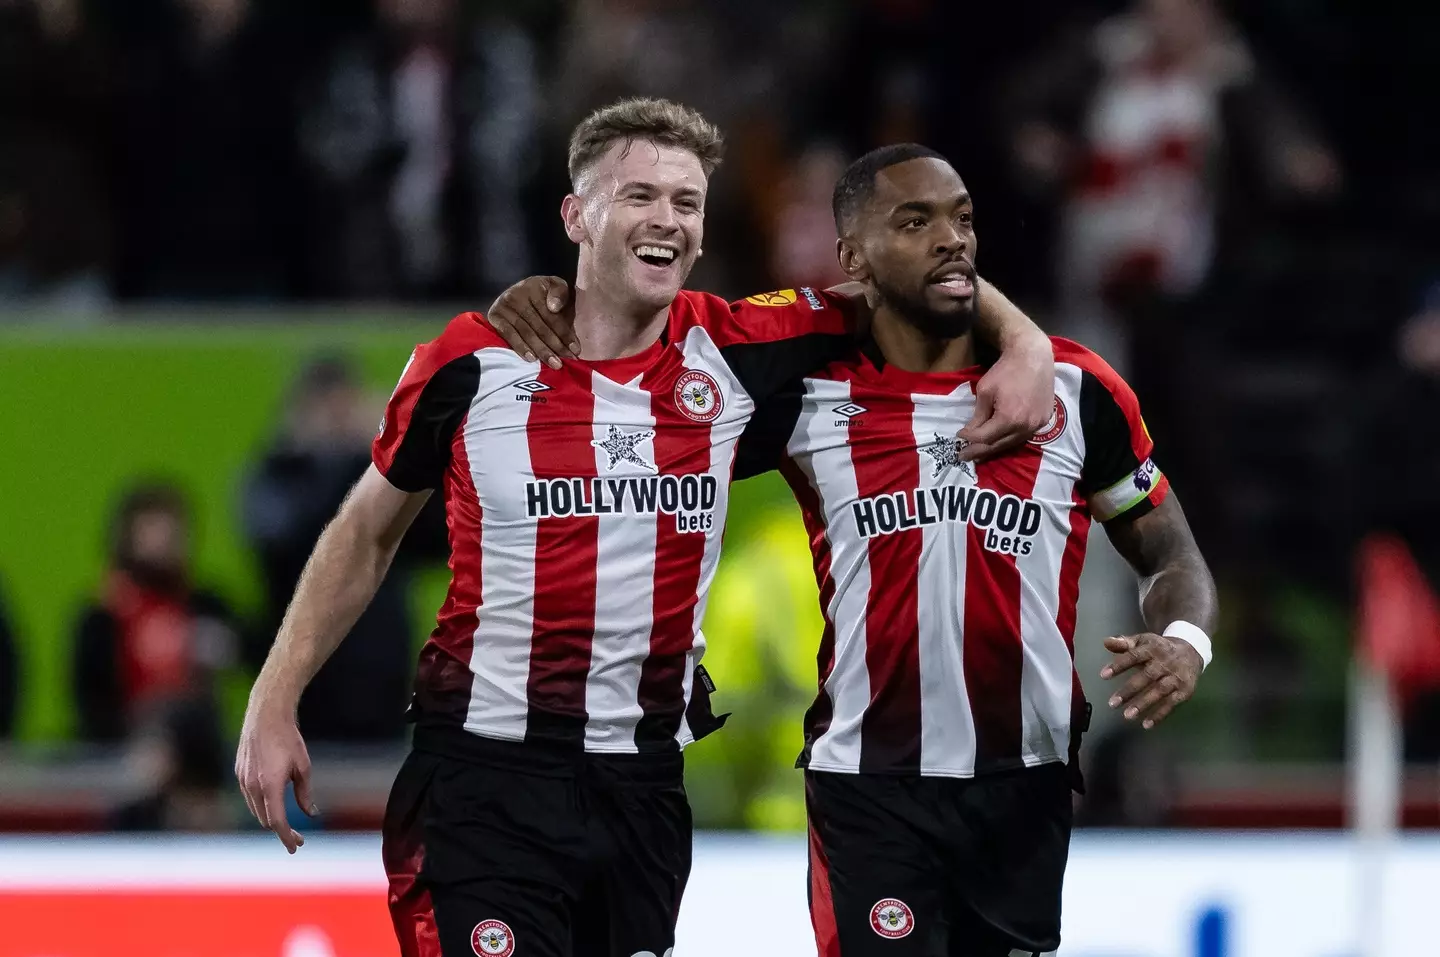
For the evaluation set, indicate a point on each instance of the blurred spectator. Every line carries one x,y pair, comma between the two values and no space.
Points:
802,227
322,449
1406,509
180,754
54,207
418,141
1151,127
9,676
205,167
152,638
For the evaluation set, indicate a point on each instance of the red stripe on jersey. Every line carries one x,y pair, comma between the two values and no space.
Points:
1071,565
822,711
890,729
682,447
566,552
993,654
443,678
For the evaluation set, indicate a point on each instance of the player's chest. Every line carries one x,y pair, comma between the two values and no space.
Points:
577,443
861,442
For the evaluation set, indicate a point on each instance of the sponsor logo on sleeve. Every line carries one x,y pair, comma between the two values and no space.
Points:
1144,477
780,297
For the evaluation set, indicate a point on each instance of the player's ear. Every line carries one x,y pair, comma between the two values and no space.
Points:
572,211
852,260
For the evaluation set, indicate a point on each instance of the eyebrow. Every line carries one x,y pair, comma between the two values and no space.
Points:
651,187
917,206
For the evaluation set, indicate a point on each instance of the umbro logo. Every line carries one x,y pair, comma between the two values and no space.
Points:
849,412
529,389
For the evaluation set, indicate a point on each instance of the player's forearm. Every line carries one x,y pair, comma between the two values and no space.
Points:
1175,581
340,579
1002,323
1182,590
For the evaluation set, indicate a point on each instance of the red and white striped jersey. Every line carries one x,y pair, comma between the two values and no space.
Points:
585,510
949,588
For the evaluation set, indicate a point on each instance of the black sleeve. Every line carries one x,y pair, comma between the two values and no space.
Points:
762,445
98,703
767,368
773,374
413,448
1118,476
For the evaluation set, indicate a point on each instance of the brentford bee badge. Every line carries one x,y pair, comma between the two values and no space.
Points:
697,394
492,938
892,918
1053,429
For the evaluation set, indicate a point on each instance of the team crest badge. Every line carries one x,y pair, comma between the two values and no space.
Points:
892,918
780,297
1053,429
492,938
697,395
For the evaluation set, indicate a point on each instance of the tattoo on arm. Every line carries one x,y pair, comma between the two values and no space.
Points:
1175,582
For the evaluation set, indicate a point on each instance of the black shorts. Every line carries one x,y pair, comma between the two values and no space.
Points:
938,867
514,849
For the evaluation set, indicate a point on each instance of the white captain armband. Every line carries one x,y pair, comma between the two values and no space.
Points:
1126,493
1193,636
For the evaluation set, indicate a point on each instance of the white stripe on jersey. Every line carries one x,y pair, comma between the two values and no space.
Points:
701,352
498,446
1045,677
849,683
624,589
947,727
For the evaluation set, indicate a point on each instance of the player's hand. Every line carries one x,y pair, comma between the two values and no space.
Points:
1165,671
535,317
270,755
1013,401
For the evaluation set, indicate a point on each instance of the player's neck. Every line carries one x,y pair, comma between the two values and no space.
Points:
610,330
908,348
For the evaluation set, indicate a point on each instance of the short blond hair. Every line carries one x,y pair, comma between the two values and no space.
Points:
663,122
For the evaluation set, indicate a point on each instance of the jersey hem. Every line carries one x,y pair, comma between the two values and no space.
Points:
1033,761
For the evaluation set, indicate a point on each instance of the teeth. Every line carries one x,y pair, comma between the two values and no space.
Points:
659,252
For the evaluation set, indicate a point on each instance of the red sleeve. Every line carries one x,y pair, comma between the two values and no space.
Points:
436,388
785,314
771,340
1119,476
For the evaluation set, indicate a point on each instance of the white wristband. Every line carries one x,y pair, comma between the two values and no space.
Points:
1192,636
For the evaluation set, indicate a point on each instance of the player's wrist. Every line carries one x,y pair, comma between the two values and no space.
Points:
1192,635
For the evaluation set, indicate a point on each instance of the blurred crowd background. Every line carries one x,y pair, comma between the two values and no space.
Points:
224,223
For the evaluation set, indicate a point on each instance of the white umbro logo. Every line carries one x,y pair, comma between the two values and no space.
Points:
849,410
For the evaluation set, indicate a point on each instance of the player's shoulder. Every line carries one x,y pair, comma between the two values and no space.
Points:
770,316
1069,352
465,334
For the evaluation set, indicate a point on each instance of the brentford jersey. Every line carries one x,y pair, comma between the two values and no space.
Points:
949,588
585,508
